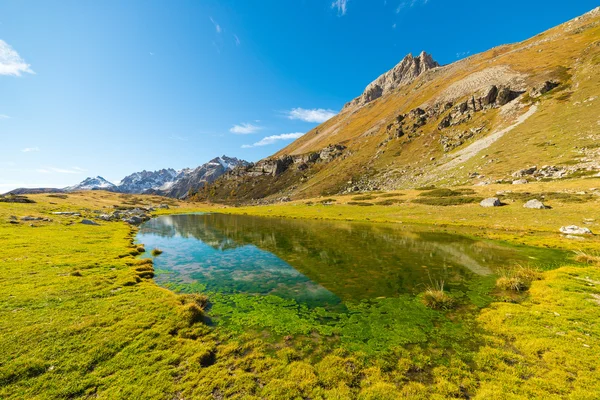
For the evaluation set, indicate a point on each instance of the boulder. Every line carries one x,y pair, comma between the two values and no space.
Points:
575,230
520,182
89,222
543,88
490,202
490,96
535,204
134,220
524,172
505,96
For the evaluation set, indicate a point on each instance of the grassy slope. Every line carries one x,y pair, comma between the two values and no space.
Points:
563,124
78,321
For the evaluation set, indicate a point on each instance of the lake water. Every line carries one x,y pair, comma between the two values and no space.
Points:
321,263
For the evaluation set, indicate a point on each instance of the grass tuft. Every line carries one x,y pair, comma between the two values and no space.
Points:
587,258
517,279
436,298
156,252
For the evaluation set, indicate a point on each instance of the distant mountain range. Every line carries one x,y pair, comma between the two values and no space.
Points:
167,182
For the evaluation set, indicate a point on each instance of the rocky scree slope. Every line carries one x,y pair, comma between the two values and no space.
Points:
407,127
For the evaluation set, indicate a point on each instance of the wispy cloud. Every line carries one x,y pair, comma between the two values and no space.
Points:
50,170
340,5
217,26
30,149
11,62
245,129
4,116
273,139
316,115
410,3
237,40
463,54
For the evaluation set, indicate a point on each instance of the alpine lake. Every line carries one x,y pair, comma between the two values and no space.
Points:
353,285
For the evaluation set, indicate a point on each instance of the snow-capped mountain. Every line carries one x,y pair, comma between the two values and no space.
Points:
139,182
206,173
97,183
166,182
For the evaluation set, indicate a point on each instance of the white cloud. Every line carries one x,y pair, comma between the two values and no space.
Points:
340,5
237,40
463,54
272,139
11,62
4,116
217,26
245,129
316,115
30,149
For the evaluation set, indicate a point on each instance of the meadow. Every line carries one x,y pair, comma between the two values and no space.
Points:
81,316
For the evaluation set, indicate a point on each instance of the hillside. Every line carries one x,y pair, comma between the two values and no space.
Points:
489,118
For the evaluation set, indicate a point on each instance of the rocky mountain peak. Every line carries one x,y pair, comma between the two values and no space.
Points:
406,71
93,184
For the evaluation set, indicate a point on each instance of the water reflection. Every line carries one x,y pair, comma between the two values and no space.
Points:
316,262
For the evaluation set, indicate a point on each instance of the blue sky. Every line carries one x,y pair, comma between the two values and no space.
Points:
112,87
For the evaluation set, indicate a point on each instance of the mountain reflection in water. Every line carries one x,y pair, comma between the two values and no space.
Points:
316,262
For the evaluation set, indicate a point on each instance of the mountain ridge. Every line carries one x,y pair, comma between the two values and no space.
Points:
396,139
166,181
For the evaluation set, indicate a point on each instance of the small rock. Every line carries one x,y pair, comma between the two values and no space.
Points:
491,202
88,222
575,230
520,182
30,218
535,204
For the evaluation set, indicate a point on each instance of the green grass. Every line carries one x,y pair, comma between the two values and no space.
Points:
81,317
448,201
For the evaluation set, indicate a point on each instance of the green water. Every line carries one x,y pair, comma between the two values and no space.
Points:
321,262
355,285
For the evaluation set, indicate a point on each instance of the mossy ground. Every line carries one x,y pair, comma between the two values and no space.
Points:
108,331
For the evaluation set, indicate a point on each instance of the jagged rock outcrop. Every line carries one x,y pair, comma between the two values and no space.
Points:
277,166
409,69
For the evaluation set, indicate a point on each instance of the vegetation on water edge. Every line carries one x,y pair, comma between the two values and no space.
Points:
108,331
